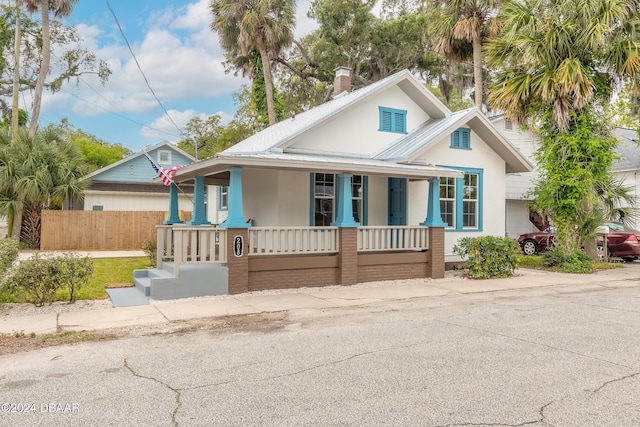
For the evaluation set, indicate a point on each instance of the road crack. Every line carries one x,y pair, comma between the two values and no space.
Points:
177,392
310,368
626,377
497,334
494,424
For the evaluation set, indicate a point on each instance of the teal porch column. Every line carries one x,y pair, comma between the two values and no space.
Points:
199,215
434,219
235,214
174,213
344,207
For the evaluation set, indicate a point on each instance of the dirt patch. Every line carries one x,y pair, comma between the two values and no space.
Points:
20,343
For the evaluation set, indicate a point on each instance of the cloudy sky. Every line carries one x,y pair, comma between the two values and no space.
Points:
179,55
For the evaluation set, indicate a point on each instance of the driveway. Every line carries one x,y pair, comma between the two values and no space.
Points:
566,355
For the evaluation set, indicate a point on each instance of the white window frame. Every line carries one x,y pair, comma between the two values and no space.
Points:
164,157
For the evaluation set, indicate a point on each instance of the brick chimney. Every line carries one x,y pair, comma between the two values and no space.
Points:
342,82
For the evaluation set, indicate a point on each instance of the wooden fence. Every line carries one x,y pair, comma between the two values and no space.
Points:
98,230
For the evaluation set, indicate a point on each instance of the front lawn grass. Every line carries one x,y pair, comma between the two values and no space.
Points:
535,261
107,273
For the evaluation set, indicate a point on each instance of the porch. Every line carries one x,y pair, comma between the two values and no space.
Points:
209,260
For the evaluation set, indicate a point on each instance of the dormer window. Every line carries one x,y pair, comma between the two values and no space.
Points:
393,120
461,139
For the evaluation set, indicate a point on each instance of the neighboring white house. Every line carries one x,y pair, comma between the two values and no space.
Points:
519,219
392,140
131,184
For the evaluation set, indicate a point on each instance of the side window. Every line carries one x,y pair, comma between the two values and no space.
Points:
392,120
323,198
324,190
461,200
461,139
448,201
223,198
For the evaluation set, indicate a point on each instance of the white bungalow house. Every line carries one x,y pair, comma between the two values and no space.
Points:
378,183
131,184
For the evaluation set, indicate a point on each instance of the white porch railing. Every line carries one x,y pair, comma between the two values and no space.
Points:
190,245
292,240
393,238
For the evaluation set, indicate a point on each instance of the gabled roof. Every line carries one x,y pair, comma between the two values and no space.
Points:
279,134
271,147
133,156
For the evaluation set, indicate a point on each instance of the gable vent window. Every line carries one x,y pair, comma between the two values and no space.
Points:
461,139
393,120
508,124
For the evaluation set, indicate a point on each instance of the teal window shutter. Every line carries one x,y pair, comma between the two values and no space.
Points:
461,139
392,120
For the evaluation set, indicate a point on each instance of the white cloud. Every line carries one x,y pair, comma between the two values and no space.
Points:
179,56
163,127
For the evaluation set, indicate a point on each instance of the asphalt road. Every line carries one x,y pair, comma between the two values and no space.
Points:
558,356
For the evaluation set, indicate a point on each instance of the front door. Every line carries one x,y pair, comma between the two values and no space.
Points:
397,201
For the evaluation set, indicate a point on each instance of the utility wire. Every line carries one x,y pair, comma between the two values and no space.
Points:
140,68
117,114
110,103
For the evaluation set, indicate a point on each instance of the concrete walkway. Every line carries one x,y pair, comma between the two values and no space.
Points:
162,312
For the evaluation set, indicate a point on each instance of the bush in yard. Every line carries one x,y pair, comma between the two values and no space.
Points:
569,262
75,271
488,256
36,280
8,254
150,249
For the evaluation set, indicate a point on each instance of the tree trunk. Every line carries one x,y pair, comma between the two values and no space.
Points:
477,69
268,82
16,226
44,68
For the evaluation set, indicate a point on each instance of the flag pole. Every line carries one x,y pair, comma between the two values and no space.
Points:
164,173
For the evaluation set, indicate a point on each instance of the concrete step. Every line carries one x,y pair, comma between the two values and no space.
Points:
143,284
167,266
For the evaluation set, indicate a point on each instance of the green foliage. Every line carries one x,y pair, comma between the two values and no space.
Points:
36,280
488,256
96,152
8,254
150,249
573,166
575,261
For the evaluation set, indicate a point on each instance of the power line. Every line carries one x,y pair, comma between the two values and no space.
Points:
115,113
140,68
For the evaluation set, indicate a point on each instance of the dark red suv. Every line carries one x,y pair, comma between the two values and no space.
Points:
622,241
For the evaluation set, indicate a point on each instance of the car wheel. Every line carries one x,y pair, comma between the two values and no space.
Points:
629,258
529,247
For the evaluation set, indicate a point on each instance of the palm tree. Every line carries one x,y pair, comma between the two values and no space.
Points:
35,174
59,8
456,23
262,25
562,55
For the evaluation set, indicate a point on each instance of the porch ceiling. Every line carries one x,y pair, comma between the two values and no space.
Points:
216,169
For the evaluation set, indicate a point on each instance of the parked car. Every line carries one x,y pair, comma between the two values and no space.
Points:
622,241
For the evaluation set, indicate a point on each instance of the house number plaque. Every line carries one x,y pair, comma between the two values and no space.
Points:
238,246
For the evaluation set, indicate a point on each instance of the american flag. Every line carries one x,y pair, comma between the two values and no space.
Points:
166,175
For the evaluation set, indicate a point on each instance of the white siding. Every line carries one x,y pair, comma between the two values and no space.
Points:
518,218
378,200
125,201
356,131
480,156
